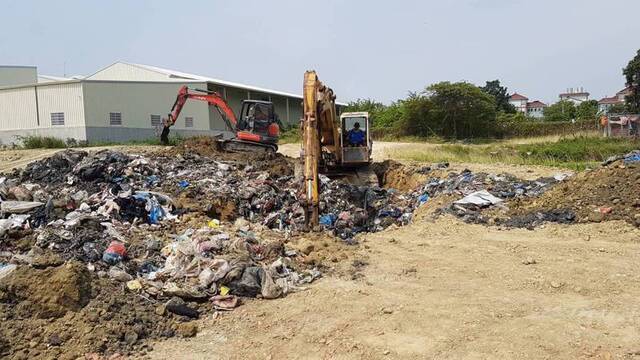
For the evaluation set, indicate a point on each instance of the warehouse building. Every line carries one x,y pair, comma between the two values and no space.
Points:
121,102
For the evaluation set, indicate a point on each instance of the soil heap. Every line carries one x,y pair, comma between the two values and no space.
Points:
610,192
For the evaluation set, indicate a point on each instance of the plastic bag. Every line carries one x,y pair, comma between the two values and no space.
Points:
114,253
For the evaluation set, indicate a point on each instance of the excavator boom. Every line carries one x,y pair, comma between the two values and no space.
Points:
320,135
311,147
210,97
327,144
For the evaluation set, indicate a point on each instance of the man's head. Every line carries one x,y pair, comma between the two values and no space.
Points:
356,126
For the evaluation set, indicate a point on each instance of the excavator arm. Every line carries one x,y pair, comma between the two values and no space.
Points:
320,135
212,98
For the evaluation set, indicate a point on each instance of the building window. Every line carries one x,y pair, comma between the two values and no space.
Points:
155,121
115,119
57,119
188,122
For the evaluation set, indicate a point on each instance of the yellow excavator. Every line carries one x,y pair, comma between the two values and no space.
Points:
330,144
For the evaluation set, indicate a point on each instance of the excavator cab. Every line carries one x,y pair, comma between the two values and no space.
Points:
355,139
258,122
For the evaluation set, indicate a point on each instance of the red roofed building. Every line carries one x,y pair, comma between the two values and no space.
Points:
519,102
606,103
522,104
536,109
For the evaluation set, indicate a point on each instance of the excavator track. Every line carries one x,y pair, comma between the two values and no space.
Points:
240,146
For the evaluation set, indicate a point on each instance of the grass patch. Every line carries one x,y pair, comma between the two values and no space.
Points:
579,149
49,142
575,153
41,142
290,136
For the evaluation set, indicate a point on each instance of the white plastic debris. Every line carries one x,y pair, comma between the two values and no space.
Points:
561,176
7,269
14,221
19,207
480,198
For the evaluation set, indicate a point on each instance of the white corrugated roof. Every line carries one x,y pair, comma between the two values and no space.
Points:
182,75
51,78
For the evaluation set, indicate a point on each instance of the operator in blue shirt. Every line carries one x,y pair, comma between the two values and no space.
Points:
355,136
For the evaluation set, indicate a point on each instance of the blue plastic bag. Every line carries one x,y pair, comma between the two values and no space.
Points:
328,219
153,180
156,213
632,158
423,199
183,183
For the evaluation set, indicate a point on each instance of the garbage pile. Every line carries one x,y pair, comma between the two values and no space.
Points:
609,192
477,192
156,241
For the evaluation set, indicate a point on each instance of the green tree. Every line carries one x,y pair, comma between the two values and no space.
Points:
375,109
390,117
460,110
618,109
369,105
587,110
632,74
501,96
563,110
416,116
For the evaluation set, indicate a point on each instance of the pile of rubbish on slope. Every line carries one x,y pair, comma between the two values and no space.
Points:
609,192
146,243
478,192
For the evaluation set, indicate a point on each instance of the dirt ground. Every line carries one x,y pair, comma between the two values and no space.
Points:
446,289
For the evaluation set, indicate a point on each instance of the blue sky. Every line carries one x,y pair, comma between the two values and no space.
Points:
363,49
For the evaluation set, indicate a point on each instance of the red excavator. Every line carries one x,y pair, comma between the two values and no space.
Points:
256,129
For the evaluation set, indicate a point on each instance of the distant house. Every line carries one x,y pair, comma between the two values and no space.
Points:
606,103
576,96
536,109
519,102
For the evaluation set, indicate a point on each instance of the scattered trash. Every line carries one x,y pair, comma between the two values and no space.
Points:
6,269
479,198
605,210
134,285
177,306
19,207
632,157
327,220
119,275
224,302
561,176
114,253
